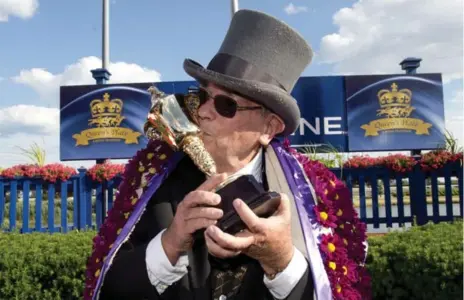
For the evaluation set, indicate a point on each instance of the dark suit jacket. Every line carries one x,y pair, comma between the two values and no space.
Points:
127,278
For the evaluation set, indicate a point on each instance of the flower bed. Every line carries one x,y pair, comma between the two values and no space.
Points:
50,172
60,172
401,163
105,171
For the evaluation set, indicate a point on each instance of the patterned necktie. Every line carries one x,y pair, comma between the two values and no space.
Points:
226,283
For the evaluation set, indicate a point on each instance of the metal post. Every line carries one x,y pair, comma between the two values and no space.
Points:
410,65
234,5
106,35
102,75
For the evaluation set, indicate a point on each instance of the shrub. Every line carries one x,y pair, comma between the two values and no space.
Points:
43,266
422,263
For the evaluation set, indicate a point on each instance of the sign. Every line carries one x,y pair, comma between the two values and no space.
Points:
394,112
323,123
348,113
106,121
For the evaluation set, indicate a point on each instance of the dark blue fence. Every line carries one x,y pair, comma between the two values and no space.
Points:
383,199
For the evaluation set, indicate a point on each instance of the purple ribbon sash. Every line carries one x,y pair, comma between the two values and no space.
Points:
152,187
305,203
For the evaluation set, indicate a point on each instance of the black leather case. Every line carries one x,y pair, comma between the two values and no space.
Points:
245,187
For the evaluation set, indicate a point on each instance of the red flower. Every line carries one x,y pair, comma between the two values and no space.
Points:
325,215
345,250
364,283
105,171
332,246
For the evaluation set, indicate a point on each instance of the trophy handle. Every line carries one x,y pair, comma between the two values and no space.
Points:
193,146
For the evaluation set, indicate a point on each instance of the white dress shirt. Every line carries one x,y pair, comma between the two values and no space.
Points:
162,273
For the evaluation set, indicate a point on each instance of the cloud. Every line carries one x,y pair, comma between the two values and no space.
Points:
11,155
23,9
291,9
458,97
374,36
47,84
21,125
30,119
454,125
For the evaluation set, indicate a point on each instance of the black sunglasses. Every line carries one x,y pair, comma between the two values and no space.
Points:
224,105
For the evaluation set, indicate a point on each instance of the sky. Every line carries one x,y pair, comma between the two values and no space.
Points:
45,44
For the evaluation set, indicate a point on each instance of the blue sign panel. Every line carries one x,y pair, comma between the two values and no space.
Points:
106,121
395,112
321,101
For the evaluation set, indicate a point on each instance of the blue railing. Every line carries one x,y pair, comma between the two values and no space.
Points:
383,199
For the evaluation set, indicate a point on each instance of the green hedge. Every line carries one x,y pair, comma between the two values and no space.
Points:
422,263
43,266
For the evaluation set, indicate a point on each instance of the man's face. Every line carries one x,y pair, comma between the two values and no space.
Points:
233,138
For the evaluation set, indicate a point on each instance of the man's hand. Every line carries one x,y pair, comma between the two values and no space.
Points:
194,212
267,240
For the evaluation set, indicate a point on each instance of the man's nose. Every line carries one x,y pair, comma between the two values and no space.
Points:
207,110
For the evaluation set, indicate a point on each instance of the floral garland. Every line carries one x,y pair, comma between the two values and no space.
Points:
138,172
344,250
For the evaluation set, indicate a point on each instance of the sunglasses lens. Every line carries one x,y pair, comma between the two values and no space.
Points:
225,106
203,95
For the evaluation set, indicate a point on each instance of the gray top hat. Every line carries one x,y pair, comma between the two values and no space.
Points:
260,58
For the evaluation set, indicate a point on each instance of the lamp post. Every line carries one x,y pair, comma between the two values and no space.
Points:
410,66
234,6
102,75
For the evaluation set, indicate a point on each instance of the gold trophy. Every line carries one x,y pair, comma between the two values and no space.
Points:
173,119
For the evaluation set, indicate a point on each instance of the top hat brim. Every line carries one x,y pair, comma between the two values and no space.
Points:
270,96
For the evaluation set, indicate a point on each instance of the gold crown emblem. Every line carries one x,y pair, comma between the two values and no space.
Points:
106,112
395,97
395,103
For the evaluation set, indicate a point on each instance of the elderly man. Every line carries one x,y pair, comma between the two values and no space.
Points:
245,103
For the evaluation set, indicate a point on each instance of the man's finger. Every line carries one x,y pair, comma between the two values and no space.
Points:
202,198
212,182
230,242
204,212
216,250
196,224
248,217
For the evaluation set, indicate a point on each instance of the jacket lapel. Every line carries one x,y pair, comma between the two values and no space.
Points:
185,178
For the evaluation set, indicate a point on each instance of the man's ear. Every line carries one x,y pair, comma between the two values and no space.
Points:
274,126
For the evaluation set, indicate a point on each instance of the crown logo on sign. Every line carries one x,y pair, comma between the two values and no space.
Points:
395,103
106,112
401,98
